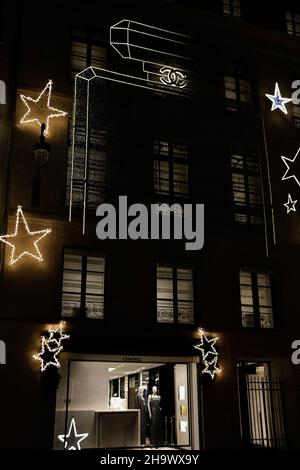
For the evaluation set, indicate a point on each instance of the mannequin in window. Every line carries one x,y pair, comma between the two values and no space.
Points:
156,428
141,405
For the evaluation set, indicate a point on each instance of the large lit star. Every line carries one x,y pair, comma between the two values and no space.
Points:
72,436
22,238
206,346
47,356
290,204
39,110
277,100
287,174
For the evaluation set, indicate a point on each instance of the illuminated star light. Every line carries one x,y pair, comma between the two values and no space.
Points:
56,337
291,160
290,205
211,368
206,343
72,431
47,356
277,100
38,235
45,110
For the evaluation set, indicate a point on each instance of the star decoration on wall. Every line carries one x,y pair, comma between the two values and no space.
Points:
55,337
72,440
288,163
209,354
290,204
206,346
51,346
22,238
48,356
277,100
212,368
39,110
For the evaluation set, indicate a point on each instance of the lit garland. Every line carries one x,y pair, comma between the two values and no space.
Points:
45,110
51,347
290,204
209,354
277,100
22,226
73,433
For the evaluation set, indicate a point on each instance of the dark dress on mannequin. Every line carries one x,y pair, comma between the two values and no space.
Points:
156,433
141,405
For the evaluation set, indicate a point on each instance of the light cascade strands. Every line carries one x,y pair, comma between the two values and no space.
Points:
209,354
290,205
278,102
72,440
45,111
22,232
51,346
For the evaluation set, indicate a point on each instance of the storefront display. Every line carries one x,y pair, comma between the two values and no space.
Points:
124,404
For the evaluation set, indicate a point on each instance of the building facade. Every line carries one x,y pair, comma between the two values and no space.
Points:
161,105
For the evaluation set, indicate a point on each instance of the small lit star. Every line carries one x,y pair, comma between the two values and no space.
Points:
48,356
55,337
72,436
211,368
23,236
286,175
39,110
290,205
277,100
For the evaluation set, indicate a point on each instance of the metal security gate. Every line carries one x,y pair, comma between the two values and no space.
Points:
262,412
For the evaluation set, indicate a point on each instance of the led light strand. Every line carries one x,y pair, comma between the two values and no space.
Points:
278,102
39,235
64,438
53,112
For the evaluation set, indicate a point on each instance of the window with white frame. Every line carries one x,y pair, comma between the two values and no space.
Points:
232,9
238,87
171,168
175,297
86,50
246,189
256,299
83,286
292,23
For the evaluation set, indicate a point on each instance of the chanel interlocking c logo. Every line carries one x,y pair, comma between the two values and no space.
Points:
173,78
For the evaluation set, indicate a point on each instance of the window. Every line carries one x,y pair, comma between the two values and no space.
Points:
83,286
246,187
175,299
171,173
96,169
256,299
232,9
86,50
292,24
238,89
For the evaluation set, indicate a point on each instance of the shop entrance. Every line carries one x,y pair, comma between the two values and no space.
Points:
109,404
